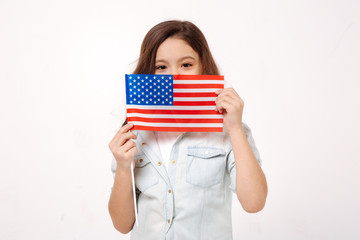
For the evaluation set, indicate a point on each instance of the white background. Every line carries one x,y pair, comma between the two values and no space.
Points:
296,64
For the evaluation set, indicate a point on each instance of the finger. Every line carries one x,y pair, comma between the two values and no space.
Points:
125,137
126,128
230,96
128,145
224,104
122,130
119,140
131,152
229,93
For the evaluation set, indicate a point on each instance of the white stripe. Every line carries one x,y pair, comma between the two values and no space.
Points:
198,82
177,124
130,106
172,116
197,90
194,99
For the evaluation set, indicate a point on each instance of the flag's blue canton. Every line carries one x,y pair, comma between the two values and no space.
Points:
142,89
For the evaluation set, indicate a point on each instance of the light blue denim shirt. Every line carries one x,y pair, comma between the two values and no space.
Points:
192,200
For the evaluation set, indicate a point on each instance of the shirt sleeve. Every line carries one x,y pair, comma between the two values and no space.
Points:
231,169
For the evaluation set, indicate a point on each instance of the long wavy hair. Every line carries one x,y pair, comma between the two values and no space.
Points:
184,30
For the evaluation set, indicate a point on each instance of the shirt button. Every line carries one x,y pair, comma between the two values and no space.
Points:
173,161
159,163
168,220
206,152
169,190
141,160
143,144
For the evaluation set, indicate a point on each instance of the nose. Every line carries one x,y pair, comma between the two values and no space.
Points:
175,71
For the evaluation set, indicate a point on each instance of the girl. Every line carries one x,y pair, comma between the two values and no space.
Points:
184,181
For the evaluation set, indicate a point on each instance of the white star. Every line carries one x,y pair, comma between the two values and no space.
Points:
131,101
162,77
130,84
154,77
130,77
138,77
146,77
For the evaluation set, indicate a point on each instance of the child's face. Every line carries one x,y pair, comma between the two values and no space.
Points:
175,56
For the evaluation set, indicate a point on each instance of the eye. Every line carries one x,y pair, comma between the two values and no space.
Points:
161,67
186,65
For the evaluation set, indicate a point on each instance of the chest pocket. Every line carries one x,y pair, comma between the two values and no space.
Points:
145,174
205,166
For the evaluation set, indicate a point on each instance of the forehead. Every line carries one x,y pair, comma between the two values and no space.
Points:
175,47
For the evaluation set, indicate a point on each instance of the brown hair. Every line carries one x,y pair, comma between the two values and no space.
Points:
184,30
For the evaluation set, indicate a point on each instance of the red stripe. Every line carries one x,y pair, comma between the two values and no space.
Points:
195,94
179,129
174,120
179,86
198,77
162,111
194,103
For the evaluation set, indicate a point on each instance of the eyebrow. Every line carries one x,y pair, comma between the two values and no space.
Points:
181,59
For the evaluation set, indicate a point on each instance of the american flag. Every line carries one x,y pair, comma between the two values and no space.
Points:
176,103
